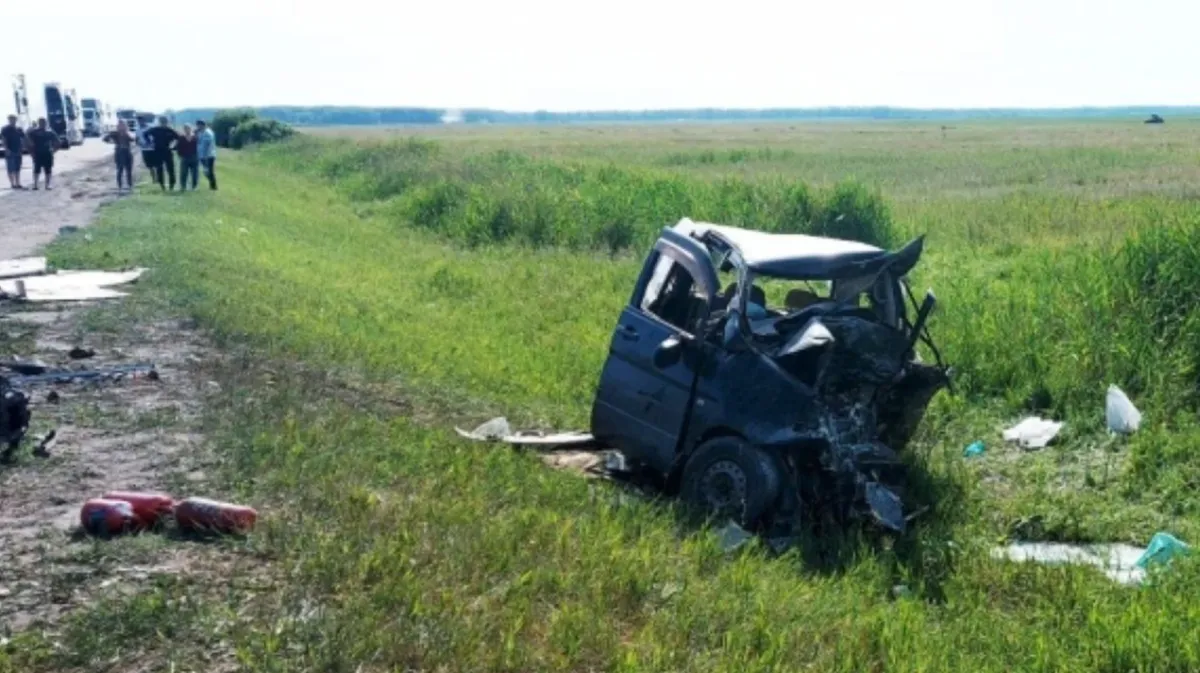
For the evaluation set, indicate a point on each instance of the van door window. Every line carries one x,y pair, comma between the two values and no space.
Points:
673,297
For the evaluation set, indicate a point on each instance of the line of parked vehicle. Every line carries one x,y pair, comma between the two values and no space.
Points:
72,118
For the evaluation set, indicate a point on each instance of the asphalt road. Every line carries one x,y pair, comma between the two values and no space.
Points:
65,162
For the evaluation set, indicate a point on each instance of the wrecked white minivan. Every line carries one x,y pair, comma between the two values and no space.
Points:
762,374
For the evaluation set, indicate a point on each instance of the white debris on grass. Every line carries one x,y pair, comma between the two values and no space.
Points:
22,266
498,429
69,285
1033,432
1122,417
1117,561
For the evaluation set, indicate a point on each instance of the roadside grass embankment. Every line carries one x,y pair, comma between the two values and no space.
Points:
407,548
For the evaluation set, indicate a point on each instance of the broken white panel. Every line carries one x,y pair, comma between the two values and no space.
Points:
22,266
1117,561
553,439
1119,412
69,285
1033,432
498,429
494,429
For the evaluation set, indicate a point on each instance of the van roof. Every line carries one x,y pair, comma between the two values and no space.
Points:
804,257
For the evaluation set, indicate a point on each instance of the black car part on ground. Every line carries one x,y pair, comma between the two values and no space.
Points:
104,373
14,417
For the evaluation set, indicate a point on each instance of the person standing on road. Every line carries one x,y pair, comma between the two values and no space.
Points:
122,142
189,163
146,145
206,149
162,137
14,143
45,143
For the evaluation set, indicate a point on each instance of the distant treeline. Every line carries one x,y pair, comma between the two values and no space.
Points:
370,116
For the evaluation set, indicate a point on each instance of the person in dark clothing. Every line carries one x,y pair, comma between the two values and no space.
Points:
206,149
189,162
147,147
163,137
45,143
122,142
14,143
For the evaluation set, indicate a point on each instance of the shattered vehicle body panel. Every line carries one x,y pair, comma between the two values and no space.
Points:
828,388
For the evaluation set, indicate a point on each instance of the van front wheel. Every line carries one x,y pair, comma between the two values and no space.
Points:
727,478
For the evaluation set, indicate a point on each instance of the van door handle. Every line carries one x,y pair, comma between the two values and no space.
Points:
628,332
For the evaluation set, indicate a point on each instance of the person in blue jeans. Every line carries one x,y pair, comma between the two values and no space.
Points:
206,149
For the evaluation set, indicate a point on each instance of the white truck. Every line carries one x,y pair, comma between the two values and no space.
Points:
96,119
74,117
57,104
20,108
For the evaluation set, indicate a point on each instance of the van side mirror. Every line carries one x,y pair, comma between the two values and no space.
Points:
669,352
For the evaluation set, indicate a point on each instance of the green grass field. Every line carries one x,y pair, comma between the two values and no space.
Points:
469,273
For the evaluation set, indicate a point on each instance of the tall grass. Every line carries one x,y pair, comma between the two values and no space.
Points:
505,196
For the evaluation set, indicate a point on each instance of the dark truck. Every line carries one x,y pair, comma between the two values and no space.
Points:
792,388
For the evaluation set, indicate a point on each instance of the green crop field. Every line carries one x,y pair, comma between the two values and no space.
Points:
381,287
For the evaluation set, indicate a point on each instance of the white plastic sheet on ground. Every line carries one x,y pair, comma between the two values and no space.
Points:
1119,412
69,285
1117,561
1033,432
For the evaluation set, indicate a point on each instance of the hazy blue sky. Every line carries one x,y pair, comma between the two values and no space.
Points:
563,55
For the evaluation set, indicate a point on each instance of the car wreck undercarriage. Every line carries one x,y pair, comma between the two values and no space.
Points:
760,414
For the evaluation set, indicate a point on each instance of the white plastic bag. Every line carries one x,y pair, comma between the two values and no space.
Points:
1120,413
1033,432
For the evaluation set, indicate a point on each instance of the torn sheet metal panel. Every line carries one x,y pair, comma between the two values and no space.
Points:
69,285
22,266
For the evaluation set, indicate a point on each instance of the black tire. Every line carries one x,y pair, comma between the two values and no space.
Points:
727,478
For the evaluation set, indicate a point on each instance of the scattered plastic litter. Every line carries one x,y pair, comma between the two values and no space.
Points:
498,429
974,449
1122,416
1033,432
1162,548
1117,561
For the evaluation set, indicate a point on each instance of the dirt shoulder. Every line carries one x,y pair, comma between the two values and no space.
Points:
140,434
29,219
